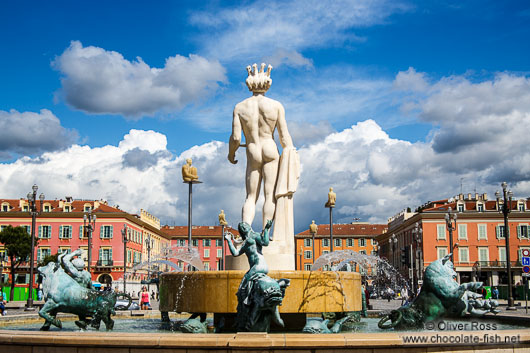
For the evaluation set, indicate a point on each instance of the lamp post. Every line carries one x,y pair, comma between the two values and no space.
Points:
393,241
125,237
506,208
89,223
313,229
418,235
32,199
148,244
331,204
450,223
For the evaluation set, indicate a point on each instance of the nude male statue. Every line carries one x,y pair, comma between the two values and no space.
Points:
332,198
76,268
258,117
189,173
222,218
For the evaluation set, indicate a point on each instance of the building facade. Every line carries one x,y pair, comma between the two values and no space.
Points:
479,252
359,237
60,227
208,240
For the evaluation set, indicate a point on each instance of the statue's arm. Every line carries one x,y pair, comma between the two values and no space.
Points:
283,132
66,260
231,246
235,138
265,234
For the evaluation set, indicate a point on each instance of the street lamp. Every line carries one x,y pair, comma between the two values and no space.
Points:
450,223
89,223
32,200
506,208
313,229
418,235
149,244
124,234
393,242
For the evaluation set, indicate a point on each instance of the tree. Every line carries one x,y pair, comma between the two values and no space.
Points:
17,242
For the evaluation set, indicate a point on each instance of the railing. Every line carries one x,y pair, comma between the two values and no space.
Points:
105,263
497,263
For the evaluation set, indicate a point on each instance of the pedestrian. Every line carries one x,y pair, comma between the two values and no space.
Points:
3,303
144,299
495,293
153,295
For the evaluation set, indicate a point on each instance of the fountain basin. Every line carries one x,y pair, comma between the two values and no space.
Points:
215,291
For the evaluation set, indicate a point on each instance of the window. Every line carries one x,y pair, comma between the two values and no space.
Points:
373,242
106,232
482,232
362,242
3,255
480,207
442,251
307,242
219,242
45,232
440,231
63,250
129,256
338,242
462,231
520,207
182,242
25,208
206,253
501,232
463,254
206,266
460,207
28,228
105,256
47,208
307,267
42,253
307,254
325,242
65,232
87,208
21,278
502,254
219,253
5,207
362,252
522,231
349,242
374,253
325,252
194,242
483,254
206,243
67,208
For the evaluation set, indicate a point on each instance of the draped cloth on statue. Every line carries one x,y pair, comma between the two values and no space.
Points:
286,185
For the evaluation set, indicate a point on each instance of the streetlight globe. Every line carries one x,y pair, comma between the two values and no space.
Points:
504,185
94,218
497,194
30,196
35,188
510,194
454,216
41,197
85,217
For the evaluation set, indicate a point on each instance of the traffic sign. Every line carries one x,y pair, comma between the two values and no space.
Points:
526,252
526,269
526,261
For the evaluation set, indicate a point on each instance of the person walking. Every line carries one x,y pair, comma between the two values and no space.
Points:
144,299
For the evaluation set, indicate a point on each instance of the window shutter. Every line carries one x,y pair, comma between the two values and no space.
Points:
38,255
101,232
497,232
110,254
80,232
519,232
100,254
60,231
40,232
111,231
69,232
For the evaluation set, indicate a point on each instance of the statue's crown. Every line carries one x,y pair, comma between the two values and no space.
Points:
259,81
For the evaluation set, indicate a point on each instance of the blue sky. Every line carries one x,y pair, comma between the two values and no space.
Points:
432,76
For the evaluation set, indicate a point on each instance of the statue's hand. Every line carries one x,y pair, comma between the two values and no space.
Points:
269,224
232,158
78,252
228,236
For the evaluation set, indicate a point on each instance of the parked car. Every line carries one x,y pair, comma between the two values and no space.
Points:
121,304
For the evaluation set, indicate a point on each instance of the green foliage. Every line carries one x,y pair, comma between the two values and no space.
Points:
48,259
17,242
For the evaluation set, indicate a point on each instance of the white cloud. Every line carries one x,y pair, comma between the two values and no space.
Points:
256,30
99,81
289,58
32,133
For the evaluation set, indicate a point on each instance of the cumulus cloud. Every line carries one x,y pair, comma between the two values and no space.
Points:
99,81
289,58
256,30
29,133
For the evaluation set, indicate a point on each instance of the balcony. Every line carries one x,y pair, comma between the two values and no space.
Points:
105,263
497,264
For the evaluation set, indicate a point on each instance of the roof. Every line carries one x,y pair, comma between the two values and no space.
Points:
349,230
77,205
197,231
471,205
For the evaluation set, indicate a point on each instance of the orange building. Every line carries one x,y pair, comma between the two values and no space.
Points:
359,237
479,252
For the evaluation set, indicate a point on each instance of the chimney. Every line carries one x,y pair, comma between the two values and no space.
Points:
469,196
485,197
476,196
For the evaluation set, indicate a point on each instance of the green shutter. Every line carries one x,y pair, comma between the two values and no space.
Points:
101,232
519,232
497,232
38,255
110,254
111,231
100,254
70,232
40,232
80,232
60,232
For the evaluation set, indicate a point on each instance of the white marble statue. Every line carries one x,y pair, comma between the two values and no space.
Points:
258,117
